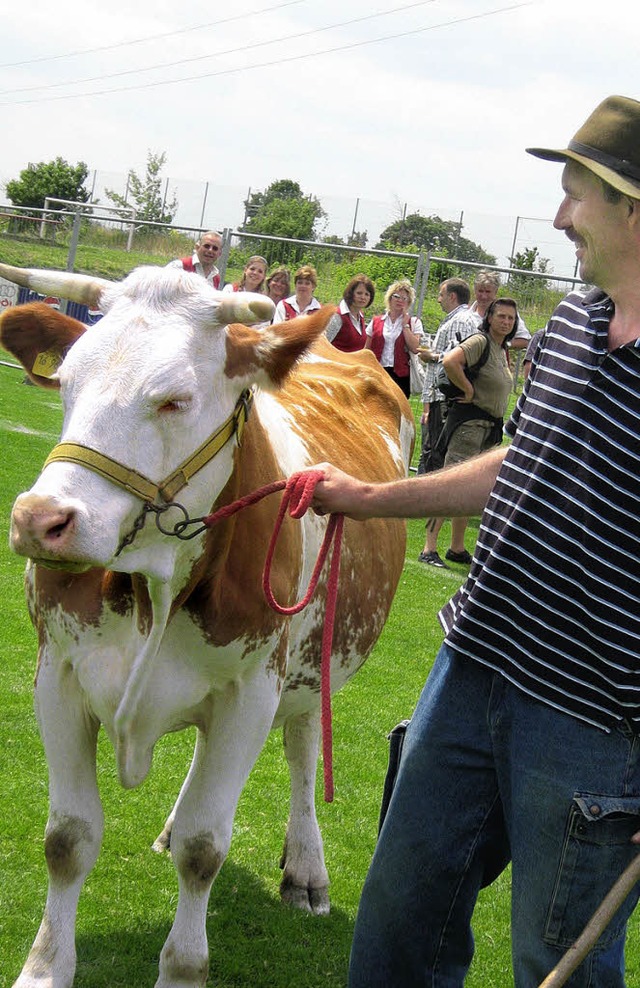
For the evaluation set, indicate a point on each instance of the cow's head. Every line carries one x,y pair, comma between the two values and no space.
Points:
157,376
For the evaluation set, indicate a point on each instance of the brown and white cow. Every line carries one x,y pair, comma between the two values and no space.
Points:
151,635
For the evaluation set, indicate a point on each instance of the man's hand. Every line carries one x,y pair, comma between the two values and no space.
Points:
457,491
426,354
339,493
468,396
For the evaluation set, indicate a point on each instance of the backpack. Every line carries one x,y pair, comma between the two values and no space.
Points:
451,391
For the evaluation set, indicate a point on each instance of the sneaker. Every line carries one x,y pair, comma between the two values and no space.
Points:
458,557
431,559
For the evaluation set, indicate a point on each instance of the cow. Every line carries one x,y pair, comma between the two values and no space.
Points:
145,633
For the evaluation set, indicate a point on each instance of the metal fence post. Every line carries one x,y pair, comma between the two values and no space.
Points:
204,203
73,248
132,230
43,220
224,254
421,284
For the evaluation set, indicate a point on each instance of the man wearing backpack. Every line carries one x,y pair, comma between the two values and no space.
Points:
459,323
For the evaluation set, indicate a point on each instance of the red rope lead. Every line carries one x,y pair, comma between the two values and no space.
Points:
297,497
243,502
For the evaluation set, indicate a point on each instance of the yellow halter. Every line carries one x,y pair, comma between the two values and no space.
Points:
136,483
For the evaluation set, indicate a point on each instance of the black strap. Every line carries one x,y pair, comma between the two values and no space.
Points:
463,412
473,371
619,165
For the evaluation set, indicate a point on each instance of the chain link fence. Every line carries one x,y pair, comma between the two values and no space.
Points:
110,246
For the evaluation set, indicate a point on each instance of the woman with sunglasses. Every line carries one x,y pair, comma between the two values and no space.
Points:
396,334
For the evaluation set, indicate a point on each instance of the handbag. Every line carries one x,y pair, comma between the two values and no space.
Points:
451,391
416,374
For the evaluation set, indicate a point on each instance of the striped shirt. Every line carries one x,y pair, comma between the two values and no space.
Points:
553,597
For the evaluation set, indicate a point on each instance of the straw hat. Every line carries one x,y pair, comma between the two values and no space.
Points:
608,144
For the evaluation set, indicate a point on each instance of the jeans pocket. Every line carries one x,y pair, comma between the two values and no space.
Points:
595,852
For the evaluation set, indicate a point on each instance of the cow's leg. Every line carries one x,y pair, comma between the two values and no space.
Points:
240,719
305,881
163,840
74,829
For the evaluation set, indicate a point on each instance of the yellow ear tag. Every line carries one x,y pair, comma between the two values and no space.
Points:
46,363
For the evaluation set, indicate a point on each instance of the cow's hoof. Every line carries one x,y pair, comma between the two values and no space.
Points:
29,981
162,842
311,900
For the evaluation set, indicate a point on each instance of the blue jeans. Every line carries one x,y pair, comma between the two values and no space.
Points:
489,775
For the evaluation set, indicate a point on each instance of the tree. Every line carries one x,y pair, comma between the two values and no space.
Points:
283,210
529,259
146,194
358,238
528,290
55,179
434,234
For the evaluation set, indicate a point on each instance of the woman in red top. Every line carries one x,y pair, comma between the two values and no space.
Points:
279,284
347,329
396,334
303,301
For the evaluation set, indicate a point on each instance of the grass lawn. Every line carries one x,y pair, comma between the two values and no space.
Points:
129,899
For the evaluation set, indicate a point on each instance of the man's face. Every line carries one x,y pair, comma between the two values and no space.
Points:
208,249
595,226
485,293
448,300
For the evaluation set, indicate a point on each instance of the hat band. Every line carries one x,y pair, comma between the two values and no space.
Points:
619,165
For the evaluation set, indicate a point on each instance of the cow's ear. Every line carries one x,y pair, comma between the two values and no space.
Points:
267,355
39,337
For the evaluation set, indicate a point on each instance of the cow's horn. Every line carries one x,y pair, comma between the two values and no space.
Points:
65,284
245,308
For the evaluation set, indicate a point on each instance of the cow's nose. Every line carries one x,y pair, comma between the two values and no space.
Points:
41,525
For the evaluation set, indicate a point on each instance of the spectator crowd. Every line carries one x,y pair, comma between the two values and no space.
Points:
472,345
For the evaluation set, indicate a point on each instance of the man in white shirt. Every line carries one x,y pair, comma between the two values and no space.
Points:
485,289
203,260
458,324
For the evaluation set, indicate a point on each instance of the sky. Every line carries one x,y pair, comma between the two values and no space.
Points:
370,105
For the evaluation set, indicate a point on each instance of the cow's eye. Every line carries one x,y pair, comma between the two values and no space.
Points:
173,405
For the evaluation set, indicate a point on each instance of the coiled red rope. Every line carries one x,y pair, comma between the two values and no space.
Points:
297,497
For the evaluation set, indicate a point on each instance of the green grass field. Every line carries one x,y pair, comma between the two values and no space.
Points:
129,899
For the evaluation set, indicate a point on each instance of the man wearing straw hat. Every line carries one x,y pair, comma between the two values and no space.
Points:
525,743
